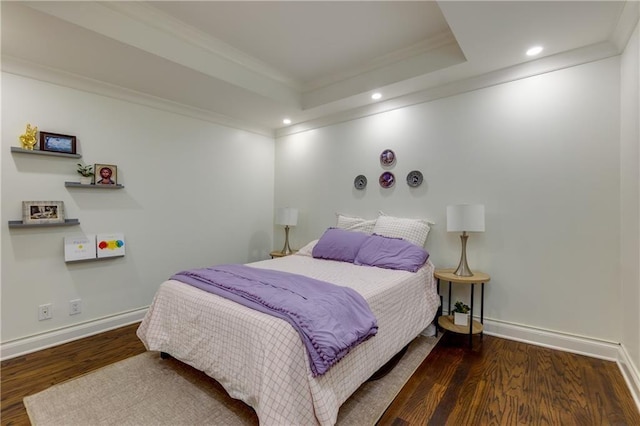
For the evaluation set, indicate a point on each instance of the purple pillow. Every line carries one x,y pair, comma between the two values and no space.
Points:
391,253
339,244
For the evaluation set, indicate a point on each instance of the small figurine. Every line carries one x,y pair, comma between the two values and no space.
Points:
28,140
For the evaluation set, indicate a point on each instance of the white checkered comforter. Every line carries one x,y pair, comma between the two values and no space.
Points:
262,361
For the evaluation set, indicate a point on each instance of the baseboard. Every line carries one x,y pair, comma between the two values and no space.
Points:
569,343
630,373
553,340
28,344
550,339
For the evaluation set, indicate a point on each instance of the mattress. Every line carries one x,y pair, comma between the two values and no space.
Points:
261,359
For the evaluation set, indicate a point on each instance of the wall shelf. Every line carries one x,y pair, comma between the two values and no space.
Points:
39,152
93,259
21,224
92,186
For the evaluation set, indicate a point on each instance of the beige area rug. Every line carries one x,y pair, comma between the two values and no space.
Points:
146,390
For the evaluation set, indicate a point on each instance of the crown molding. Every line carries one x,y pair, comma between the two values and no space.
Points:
627,22
35,71
441,84
192,49
153,17
418,49
456,80
154,31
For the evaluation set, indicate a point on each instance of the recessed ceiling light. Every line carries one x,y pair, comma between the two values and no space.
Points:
286,121
534,50
376,96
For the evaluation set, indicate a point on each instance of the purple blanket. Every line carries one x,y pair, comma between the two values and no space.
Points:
330,319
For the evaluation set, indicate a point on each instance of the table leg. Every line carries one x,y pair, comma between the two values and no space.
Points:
439,312
471,319
482,309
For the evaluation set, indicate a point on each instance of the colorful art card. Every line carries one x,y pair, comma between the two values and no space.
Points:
79,247
110,245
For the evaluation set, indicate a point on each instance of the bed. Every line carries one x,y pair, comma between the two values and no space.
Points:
261,360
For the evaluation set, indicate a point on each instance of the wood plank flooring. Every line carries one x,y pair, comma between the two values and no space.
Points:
499,382
503,382
35,372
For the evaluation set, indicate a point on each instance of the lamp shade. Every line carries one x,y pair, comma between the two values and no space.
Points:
287,216
465,217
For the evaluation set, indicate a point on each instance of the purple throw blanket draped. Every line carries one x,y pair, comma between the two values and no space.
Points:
329,318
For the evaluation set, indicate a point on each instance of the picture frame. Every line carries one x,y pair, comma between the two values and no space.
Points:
39,212
56,142
105,174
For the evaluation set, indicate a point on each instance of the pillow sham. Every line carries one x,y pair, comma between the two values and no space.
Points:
412,230
391,253
353,223
339,244
307,249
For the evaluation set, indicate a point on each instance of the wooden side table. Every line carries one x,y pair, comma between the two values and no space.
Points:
278,253
446,322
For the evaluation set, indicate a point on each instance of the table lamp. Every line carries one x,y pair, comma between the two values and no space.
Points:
465,218
286,216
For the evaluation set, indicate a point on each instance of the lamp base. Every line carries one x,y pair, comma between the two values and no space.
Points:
463,268
286,250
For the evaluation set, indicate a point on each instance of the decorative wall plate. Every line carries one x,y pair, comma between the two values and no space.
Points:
414,179
387,158
387,179
360,182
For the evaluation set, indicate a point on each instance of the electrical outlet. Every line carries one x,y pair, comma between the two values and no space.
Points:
45,312
75,307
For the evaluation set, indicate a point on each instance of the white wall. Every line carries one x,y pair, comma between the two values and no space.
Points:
195,194
541,153
630,200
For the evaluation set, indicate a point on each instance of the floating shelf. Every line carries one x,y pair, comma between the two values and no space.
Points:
93,259
92,186
21,224
39,152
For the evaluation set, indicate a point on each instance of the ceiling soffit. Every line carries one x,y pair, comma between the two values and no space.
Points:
133,48
154,31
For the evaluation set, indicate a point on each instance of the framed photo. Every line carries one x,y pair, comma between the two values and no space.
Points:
43,212
105,174
57,143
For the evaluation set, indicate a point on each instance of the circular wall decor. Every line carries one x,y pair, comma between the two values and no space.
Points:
387,158
414,179
387,179
360,182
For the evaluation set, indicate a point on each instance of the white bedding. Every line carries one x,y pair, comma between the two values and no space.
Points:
261,359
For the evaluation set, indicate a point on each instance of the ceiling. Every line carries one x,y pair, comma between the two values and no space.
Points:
251,64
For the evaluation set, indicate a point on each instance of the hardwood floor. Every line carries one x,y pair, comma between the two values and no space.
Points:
503,382
499,382
32,373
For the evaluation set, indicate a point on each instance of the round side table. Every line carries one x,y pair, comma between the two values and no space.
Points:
446,321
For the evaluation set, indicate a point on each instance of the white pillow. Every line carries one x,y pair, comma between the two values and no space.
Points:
352,223
308,249
427,221
412,230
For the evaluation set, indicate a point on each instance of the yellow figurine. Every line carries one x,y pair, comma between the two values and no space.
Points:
28,140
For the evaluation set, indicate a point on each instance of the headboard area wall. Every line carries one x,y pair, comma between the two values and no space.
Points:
542,155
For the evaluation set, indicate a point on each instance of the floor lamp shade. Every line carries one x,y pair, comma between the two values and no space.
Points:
465,218
286,216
